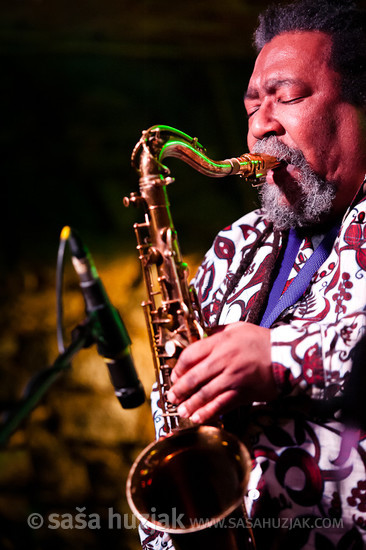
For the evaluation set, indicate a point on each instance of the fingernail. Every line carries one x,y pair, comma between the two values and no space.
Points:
182,411
196,418
172,398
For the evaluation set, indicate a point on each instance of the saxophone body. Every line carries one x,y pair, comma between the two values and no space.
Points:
191,481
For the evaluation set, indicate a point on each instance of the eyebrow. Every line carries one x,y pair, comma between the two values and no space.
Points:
271,86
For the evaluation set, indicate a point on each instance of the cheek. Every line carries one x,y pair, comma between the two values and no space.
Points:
321,145
307,134
250,140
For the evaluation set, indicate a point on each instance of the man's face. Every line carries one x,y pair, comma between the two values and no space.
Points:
295,96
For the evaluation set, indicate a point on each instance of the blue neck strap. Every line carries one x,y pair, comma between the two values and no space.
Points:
278,300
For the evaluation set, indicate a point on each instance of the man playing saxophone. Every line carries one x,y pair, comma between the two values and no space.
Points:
284,287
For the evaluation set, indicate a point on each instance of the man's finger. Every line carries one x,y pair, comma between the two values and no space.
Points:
221,404
193,379
190,356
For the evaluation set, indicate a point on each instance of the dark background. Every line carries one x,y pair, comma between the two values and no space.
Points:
80,80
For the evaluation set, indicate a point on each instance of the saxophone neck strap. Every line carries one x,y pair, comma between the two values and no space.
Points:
278,300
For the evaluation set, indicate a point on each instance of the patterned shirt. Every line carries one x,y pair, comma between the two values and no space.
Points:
308,484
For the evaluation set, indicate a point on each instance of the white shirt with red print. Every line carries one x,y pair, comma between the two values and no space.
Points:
308,485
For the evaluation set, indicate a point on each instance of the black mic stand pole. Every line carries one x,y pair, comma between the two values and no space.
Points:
42,381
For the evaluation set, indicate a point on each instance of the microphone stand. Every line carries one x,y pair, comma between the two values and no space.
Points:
82,337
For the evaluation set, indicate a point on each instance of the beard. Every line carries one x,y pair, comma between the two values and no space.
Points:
310,197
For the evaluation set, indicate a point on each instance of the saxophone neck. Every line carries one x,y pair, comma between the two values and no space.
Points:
160,142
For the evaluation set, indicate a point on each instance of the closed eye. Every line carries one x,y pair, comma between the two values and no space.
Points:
293,100
252,112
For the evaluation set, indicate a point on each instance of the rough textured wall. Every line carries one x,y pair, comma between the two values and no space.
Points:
73,454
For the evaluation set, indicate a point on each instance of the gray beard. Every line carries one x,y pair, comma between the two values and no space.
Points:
310,201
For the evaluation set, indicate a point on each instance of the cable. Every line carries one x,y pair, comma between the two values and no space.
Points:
65,233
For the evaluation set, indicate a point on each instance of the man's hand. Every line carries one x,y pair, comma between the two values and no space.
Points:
225,370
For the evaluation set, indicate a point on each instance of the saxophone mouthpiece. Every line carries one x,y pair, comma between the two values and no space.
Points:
271,163
254,167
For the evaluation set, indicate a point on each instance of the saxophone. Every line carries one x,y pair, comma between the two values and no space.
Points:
193,480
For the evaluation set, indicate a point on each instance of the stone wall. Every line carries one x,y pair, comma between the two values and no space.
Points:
73,454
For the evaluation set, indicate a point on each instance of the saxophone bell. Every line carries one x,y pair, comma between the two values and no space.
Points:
188,483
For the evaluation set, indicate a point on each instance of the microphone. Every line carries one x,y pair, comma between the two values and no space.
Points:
113,342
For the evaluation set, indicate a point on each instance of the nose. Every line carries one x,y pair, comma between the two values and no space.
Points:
264,123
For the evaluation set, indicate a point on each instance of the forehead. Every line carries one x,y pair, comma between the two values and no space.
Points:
294,56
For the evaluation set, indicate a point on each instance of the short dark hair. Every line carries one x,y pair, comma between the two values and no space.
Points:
342,20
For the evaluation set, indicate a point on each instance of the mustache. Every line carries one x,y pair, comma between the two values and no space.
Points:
271,145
